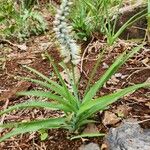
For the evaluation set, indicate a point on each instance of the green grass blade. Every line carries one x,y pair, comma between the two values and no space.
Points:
93,106
49,95
112,69
133,19
32,126
91,6
85,122
36,104
87,135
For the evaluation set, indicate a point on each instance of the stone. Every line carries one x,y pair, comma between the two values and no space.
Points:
128,136
90,146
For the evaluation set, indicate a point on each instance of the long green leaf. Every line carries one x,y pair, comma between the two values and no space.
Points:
59,90
93,106
94,69
59,87
71,98
112,69
133,19
72,81
32,126
48,95
36,104
88,135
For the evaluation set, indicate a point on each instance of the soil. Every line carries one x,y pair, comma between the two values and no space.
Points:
135,70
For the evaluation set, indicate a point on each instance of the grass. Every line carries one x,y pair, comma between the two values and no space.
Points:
88,17
19,20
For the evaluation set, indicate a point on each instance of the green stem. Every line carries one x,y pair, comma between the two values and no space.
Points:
94,70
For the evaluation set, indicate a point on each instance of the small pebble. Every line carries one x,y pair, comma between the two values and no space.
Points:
90,146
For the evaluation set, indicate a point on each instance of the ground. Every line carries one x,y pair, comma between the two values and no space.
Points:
14,57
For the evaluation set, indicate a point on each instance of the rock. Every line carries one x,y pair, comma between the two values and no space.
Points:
90,146
91,128
128,136
110,118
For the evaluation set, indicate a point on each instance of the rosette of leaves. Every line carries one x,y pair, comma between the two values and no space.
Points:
77,112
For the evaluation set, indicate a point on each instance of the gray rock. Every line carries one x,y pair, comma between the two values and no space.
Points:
90,146
128,136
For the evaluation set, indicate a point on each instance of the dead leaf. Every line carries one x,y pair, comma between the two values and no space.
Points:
120,75
44,46
91,128
122,110
22,47
146,61
104,146
148,80
110,118
25,62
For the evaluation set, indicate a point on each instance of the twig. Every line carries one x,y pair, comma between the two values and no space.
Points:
136,72
21,47
83,55
139,121
3,117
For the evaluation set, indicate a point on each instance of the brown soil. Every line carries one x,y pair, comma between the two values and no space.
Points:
136,70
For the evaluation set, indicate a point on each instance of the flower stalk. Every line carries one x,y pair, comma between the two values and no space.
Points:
68,47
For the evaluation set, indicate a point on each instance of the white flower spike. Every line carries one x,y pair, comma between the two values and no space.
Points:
68,47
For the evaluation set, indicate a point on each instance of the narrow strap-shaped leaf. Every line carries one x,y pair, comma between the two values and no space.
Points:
36,104
94,69
49,95
20,128
59,87
85,122
133,19
112,69
93,106
72,81
59,90
71,98
87,135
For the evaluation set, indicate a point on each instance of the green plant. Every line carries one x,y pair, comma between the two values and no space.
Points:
87,17
95,16
78,109
90,16
77,112
28,4
19,22
110,32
